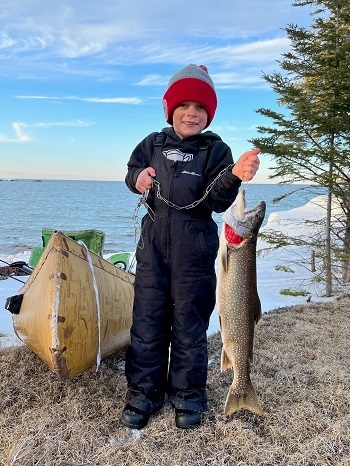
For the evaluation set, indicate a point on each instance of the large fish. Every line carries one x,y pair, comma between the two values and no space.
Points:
238,302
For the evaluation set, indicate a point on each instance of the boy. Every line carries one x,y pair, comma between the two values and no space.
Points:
175,276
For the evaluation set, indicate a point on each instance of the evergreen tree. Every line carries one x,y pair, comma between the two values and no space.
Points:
309,140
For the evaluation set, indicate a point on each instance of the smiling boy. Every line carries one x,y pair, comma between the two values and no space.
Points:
175,276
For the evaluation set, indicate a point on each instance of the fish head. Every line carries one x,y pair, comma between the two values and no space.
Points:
244,223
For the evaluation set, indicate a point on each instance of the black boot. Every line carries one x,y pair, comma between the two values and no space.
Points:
187,418
134,418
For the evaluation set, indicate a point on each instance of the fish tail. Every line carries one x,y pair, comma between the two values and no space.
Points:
238,400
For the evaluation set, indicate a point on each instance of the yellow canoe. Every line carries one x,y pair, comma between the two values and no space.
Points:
76,307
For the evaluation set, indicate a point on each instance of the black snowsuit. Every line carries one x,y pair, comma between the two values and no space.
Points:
175,276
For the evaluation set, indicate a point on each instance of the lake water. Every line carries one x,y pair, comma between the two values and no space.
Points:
27,206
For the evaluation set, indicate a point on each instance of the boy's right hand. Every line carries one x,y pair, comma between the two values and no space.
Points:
144,180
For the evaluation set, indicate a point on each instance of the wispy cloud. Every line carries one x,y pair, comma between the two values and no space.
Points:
228,55
81,28
89,41
113,100
50,124
236,66
6,41
23,136
221,129
99,100
153,80
77,62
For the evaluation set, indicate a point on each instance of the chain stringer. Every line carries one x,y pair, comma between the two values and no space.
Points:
143,201
195,203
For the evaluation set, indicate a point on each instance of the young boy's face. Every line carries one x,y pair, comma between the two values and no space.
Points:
189,118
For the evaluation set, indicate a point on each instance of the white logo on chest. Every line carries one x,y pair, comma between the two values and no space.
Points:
177,156
191,173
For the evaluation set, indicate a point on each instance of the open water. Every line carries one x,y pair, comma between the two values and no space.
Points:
27,206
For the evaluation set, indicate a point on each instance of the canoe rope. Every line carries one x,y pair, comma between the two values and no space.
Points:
98,359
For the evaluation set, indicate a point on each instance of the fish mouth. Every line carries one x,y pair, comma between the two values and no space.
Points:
244,222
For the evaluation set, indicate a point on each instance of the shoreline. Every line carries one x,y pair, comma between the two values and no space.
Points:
300,371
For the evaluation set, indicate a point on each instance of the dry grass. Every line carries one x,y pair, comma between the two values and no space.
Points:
301,373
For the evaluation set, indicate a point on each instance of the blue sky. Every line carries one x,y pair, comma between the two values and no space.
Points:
81,81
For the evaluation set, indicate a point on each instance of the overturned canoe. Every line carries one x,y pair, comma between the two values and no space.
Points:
75,308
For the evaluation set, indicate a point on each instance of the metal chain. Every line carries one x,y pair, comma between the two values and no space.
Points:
143,201
195,203
135,217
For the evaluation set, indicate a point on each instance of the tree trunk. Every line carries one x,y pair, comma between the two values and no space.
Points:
328,258
346,250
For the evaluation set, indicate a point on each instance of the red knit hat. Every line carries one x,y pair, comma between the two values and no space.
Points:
192,83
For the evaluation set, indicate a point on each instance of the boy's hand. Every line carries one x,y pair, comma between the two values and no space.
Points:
247,165
144,180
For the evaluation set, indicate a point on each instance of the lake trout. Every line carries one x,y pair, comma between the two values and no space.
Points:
237,298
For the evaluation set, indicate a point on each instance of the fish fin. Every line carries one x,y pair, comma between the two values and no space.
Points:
223,258
225,360
238,400
223,249
257,312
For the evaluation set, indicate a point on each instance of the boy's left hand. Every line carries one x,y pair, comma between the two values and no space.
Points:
247,165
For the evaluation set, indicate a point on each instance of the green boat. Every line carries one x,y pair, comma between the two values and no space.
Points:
94,241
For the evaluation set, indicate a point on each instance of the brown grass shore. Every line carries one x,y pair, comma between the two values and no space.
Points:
301,372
